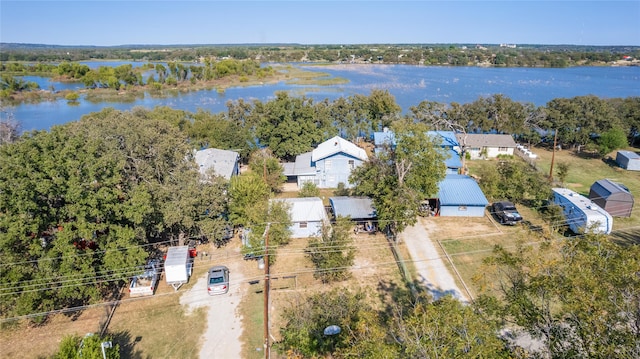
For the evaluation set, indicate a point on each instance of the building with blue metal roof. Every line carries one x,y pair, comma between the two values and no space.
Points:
460,196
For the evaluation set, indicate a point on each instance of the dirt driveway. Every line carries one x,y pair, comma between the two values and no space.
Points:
430,267
222,338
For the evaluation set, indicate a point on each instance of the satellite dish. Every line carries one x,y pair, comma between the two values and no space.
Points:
332,330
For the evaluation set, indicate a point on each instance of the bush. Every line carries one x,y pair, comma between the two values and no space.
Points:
309,189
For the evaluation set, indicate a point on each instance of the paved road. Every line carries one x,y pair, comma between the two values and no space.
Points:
430,268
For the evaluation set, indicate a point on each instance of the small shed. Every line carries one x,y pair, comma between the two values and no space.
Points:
356,208
628,160
461,196
615,198
307,214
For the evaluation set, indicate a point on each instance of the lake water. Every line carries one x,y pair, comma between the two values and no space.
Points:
408,84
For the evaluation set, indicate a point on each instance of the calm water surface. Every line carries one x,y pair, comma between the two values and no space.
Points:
408,84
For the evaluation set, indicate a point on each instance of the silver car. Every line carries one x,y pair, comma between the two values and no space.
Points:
218,280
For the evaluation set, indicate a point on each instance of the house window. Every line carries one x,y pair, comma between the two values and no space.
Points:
331,178
462,208
474,149
303,224
352,164
327,164
503,149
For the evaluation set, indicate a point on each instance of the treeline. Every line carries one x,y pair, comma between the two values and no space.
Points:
126,76
428,54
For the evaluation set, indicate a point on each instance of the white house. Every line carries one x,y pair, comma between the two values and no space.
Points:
328,165
487,145
223,162
308,215
580,213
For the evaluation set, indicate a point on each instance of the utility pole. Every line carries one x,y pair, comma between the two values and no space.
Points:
553,155
267,350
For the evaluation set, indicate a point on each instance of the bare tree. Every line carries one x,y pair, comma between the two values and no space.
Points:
9,127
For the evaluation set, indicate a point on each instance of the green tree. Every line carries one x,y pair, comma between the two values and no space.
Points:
89,347
333,252
289,125
401,176
612,139
263,163
306,320
563,171
579,118
446,328
514,180
309,189
383,109
82,201
578,296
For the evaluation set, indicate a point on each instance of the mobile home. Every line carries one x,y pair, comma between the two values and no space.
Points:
581,214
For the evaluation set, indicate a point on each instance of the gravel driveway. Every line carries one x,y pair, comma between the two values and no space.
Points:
430,267
222,338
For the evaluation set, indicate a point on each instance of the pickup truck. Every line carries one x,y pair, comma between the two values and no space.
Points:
145,283
506,213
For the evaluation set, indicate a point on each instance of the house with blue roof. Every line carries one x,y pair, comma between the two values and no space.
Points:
328,165
383,139
447,139
459,196
449,142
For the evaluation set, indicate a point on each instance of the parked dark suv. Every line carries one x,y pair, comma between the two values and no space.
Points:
506,212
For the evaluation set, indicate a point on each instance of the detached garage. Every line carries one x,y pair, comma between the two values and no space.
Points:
628,160
615,198
460,196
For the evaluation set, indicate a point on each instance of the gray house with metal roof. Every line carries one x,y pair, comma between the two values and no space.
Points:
222,163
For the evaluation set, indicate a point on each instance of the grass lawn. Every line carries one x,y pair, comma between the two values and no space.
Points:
469,241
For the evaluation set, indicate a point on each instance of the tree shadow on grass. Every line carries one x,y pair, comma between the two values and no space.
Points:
402,296
609,161
626,237
127,345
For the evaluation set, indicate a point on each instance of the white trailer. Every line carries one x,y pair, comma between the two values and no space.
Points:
145,283
581,214
178,266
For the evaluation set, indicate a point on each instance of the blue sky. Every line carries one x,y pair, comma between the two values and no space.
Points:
164,22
